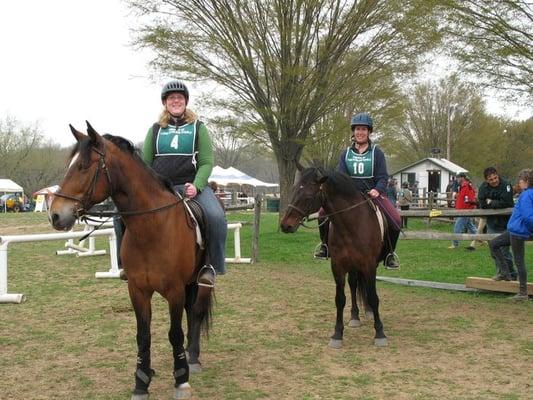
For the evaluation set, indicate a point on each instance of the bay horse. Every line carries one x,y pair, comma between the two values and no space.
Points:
355,240
158,251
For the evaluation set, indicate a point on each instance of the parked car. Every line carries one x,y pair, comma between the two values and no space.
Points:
13,202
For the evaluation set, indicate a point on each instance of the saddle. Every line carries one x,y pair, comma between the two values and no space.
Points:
382,220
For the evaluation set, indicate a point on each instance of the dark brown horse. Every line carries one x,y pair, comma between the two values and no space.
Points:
354,240
158,251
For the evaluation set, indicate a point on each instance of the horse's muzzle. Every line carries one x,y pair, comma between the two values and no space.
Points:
288,228
62,221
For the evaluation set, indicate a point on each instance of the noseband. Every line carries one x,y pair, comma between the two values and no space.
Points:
84,201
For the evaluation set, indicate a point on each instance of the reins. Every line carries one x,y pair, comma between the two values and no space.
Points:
325,217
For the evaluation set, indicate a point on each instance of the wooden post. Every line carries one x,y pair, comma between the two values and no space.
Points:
255,237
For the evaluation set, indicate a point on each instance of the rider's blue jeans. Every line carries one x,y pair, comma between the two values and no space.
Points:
217,225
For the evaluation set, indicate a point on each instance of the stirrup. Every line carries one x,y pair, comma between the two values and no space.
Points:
392,257
201,272
319,247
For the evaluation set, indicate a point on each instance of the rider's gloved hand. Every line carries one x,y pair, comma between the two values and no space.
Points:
190,190
373,193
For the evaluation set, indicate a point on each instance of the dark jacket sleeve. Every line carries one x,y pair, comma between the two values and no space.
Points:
482,195
341,166
380,172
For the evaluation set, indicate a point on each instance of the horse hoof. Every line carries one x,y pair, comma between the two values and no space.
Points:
380,342
369,315
335,343
195,368
144,396
183,391
355,323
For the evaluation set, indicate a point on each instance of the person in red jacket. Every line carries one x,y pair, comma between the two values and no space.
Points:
465,200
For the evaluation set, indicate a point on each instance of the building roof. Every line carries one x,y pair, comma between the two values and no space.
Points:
441,162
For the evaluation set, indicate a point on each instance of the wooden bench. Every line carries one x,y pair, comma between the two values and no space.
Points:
495,286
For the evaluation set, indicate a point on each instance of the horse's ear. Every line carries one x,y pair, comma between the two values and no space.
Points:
95,137
299,166
77,134
321,176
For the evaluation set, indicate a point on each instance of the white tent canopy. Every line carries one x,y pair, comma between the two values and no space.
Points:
8,186
226,176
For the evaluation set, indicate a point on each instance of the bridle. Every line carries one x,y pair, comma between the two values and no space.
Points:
84,201
322,194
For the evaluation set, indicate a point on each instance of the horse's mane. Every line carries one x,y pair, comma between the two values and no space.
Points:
84,148
341,184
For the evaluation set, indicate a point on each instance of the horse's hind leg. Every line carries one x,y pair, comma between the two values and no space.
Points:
380,339
340,302
176,301
355,322
193,331
143,312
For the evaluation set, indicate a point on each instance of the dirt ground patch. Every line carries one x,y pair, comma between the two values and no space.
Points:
75,338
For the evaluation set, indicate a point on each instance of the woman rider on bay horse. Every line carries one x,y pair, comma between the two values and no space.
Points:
365,163
179,148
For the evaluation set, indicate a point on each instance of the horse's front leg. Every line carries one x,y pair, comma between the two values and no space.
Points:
340,302
176,303
141,301
355,322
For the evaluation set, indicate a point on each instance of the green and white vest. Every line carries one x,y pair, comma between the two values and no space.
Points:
175,151
360,166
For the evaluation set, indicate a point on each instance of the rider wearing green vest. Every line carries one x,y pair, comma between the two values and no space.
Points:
179,148
365,163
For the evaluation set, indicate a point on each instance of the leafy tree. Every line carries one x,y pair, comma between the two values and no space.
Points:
287,63
26,158
518,153
493,39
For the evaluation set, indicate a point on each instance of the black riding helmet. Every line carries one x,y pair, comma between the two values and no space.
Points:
175,86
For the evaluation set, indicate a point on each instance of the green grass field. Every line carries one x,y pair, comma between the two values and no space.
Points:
75,335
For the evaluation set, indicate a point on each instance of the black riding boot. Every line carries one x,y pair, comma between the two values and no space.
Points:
323,227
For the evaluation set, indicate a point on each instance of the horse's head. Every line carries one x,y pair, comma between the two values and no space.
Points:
86,182
305,199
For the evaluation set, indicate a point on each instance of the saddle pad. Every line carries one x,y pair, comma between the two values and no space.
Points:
381,221
196,215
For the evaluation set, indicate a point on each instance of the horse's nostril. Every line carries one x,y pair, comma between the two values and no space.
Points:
55,218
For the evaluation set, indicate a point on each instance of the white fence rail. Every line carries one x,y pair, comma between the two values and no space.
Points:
81,251
5,241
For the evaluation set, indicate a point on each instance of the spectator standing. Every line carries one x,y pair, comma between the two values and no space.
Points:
465,200
392,191
497,193
405,197
519,230
451,189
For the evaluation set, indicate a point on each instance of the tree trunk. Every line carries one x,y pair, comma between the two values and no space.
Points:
287,171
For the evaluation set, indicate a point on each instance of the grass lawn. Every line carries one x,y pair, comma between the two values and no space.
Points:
75,335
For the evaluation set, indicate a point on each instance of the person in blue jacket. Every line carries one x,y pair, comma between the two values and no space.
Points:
519,230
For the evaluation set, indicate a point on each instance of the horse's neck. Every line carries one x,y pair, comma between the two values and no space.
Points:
335,204
139,190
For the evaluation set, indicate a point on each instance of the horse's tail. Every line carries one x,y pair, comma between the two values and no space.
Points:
366,283
202,299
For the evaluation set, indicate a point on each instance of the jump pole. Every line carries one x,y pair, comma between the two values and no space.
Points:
6,297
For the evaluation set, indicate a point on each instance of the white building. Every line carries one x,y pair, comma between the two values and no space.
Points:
432,174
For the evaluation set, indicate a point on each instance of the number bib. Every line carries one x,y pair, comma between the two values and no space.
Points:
360,165
176,141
